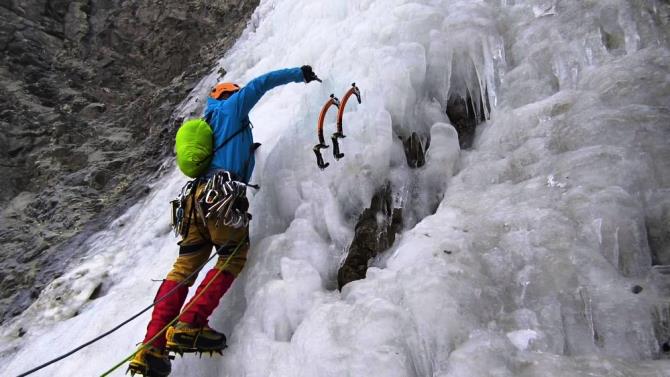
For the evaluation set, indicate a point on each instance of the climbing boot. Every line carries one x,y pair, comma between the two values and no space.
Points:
186,338
192,333
168,302
150,362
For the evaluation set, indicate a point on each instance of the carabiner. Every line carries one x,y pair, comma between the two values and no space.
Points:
211,196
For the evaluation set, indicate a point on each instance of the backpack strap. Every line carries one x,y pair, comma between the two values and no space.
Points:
252,149
229,138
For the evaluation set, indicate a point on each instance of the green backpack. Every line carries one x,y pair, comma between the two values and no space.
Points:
194,144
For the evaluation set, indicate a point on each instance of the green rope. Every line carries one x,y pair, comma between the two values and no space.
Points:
193,300
104,335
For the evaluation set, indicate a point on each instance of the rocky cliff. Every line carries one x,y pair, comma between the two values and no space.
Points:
87,89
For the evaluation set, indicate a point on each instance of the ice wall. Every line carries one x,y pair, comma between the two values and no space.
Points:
548,254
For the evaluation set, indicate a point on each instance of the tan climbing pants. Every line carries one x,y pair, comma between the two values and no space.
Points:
196,245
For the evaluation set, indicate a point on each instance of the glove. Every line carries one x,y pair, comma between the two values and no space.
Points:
309,74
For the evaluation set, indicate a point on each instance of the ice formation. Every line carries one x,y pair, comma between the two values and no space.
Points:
541,251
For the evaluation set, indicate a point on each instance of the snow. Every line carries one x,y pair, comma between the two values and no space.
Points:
538,234
522,338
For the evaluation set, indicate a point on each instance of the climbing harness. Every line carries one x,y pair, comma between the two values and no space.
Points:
332,101
226,200
223,198
339,134
178,208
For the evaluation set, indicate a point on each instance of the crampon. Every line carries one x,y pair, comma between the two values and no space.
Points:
183,338
150,362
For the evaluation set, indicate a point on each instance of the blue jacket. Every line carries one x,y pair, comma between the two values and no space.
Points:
227,116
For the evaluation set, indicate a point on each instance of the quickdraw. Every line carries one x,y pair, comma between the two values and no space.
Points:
340,115
222,193
219,199
322,142
339,134
178,207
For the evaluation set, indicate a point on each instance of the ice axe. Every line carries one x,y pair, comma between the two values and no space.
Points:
332,101
339,134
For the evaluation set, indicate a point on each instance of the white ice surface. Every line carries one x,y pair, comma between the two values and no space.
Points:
541,229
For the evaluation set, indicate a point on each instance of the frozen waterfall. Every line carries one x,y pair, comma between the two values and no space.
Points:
542,250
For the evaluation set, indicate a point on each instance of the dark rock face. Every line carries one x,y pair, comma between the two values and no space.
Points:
414,151
87,90
377,225
375,232
467,102
464,116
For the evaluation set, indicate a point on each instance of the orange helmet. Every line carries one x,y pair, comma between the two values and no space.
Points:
223,87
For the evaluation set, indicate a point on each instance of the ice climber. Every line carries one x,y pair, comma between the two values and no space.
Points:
214,209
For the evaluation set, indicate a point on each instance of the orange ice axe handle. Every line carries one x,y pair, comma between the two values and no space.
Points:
340,114
319,128
322,116
340,111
